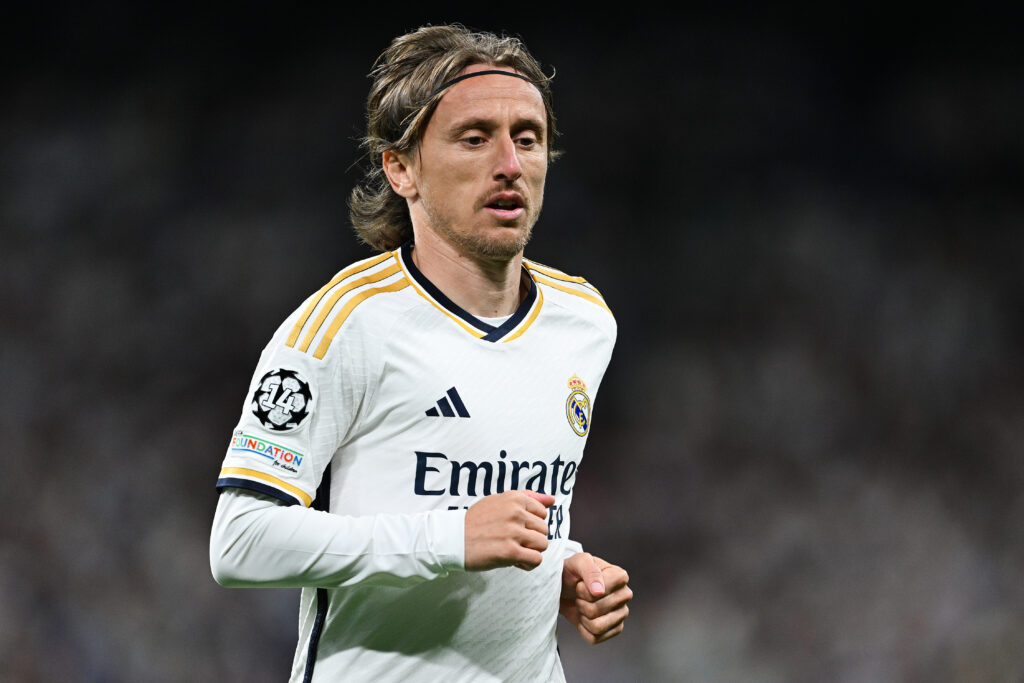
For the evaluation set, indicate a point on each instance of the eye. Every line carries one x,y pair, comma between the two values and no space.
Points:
527,141
474,140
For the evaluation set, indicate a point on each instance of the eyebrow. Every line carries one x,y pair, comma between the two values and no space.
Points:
525,123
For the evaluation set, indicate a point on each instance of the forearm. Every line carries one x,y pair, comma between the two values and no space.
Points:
258,542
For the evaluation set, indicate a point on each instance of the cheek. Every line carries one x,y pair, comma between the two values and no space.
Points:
446,176
444,189
460,179
538,162
537,174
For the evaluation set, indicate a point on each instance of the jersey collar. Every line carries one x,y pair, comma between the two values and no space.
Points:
526,312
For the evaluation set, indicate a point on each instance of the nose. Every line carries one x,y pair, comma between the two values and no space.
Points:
507,166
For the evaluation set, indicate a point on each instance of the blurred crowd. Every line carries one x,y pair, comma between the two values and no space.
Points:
807,449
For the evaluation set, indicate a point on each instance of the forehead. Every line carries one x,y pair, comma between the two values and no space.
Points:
490,96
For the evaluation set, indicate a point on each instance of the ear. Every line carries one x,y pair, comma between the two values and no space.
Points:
401,175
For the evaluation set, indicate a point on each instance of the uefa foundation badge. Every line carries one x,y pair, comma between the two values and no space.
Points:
577,406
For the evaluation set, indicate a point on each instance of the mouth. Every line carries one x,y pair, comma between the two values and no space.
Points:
506,205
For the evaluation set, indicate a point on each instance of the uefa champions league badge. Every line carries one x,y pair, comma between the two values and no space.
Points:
282,400
577,407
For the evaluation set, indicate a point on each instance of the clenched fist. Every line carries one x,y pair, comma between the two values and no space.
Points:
507,529
594,597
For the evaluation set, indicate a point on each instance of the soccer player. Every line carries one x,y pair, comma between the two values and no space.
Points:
409,444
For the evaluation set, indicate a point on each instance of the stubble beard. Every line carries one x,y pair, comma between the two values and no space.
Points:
484,244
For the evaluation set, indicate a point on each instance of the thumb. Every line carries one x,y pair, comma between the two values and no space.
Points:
590,574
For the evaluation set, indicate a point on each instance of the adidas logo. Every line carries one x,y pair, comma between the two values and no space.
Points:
446,408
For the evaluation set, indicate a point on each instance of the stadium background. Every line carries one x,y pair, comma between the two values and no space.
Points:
807,450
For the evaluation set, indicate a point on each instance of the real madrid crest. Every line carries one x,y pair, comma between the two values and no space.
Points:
577,406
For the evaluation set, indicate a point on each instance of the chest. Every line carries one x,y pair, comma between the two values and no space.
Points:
452,421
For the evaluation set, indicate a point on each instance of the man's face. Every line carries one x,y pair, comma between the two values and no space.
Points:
479,172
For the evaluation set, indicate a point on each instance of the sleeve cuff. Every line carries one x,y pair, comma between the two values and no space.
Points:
255,480
446,530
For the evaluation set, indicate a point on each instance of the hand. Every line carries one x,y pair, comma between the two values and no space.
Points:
594,597
507,529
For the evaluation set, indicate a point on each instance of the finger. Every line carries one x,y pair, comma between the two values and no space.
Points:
609,603
584,568
536,510
543,498
614,577
534,540
607,568
540,525
528,559
606,623
582,593
595,639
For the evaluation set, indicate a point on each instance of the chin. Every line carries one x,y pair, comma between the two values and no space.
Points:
503,246
500,243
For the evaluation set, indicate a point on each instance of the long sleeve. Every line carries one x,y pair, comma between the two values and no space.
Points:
257,541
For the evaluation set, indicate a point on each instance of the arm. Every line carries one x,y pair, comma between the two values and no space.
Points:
594,597
257,541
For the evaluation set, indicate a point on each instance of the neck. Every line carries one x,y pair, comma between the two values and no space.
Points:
484,287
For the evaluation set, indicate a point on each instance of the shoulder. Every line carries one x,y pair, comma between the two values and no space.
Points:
571,289
313,327
572,293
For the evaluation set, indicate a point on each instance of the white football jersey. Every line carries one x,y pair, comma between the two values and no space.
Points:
379,396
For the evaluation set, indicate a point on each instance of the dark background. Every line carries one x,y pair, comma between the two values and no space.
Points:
807,449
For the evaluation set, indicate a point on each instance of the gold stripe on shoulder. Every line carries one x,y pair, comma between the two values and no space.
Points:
556,274
569,290
346,273
342,291
529,320
350,306
306,499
